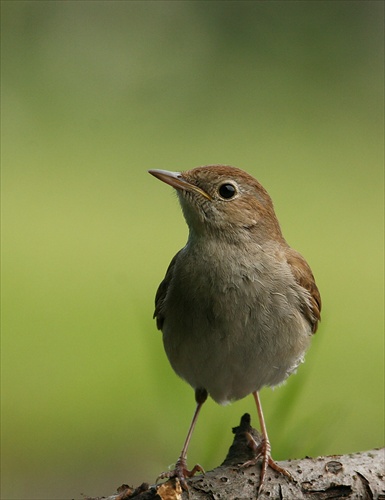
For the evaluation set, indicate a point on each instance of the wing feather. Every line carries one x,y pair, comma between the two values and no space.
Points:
304,277
162,293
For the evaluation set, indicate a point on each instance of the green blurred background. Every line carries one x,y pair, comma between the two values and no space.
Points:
94,93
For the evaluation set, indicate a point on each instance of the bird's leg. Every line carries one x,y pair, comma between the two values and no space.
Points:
181,471
263,449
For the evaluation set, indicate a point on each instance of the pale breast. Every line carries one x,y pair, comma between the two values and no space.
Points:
233,326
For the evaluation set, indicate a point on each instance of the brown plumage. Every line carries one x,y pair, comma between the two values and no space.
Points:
238,305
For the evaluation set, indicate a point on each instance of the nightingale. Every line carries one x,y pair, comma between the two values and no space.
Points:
238,306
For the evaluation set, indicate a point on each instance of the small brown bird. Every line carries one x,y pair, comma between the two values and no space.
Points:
238,306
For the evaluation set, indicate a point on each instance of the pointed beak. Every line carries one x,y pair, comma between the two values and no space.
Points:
176,180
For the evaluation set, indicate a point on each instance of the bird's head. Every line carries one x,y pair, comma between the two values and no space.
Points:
224,202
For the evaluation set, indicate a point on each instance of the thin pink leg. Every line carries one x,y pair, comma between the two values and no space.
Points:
263,449
181,471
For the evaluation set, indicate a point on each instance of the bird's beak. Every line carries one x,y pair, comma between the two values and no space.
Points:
176,180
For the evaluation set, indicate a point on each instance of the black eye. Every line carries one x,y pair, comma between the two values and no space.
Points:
227,191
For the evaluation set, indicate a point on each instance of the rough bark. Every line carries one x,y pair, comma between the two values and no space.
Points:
353,476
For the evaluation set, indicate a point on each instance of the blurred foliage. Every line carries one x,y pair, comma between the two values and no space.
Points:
94,94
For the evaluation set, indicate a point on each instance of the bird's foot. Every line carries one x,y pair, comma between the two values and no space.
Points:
263,450
181,472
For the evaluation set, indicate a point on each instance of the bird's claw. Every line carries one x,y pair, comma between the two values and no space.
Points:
263,450
181,472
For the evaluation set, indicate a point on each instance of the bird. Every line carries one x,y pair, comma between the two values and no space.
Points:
238,306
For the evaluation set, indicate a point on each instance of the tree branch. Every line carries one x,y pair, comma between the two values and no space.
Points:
358,476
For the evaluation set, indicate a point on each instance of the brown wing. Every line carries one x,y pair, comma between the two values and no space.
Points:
303,275
161,294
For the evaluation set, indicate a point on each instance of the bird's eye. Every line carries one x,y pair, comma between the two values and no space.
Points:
227,190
